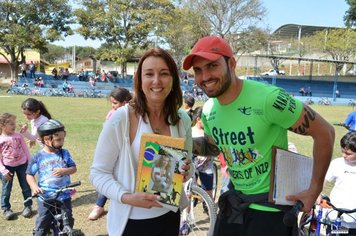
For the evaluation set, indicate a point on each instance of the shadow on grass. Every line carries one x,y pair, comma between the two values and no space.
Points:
84,198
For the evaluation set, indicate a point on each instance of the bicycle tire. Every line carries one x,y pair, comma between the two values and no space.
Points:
67,230
12,91
305,228
201,221
48,93
26,91
215,181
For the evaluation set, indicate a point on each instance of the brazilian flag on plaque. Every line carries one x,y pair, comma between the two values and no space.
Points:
159,168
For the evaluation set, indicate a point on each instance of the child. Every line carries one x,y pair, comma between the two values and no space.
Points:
53,166
342,172
189,102
36,112
118,97
14,157
204,164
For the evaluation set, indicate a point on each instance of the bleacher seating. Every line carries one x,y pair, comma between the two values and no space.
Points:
318,88
103,87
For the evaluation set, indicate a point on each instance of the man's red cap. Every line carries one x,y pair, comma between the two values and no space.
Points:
210,48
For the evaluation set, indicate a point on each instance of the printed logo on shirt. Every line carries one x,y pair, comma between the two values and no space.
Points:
284,101
245,110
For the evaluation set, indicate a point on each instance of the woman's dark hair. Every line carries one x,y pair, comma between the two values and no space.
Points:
34,105
189,100
121,94
348,141
173,101
196,114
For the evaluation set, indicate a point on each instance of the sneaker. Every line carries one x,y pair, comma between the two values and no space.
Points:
27,212
96,213
9,214
184,229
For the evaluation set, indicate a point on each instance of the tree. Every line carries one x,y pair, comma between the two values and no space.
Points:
301,47
228,17
249,40
31,24
340,44
350,14
124,25
180,32
53,53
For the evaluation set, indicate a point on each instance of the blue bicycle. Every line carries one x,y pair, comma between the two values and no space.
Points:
60,223
311,223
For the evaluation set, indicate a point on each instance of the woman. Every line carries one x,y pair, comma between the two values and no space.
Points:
154,109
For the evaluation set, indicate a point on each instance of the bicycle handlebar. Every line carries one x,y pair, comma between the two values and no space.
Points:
342,125
341,210
57,192
290,216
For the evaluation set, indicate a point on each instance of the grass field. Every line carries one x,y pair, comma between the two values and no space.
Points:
83,118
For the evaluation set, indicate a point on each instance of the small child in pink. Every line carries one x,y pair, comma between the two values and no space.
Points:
14,156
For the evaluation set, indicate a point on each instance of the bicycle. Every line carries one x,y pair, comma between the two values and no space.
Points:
60,223
310,224
309,101
200,216
19,90
342,125
324,101
352,103
215,181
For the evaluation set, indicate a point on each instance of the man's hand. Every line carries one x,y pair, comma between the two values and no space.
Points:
204,146
186,168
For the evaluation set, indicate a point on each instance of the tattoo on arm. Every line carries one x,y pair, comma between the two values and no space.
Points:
309,116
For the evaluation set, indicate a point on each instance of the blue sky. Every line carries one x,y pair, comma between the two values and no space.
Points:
279,12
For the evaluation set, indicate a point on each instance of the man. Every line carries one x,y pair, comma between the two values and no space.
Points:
23,68
32,68
245,119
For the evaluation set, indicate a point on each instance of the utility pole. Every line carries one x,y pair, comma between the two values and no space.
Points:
73,60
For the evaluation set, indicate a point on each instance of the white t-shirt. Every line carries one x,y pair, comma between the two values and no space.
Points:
343,195
139,213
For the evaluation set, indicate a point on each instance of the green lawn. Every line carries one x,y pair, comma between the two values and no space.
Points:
83,118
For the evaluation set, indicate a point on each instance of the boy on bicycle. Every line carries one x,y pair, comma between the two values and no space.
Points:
342,171
53,166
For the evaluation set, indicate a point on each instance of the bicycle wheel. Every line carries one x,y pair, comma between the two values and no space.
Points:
26,91
67,230
202,214
48,93
215,181
306,225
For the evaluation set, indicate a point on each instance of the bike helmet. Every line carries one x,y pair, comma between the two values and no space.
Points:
50,127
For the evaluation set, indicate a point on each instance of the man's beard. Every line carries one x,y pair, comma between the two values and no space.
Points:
225,85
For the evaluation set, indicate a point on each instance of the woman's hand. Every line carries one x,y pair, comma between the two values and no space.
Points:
145,200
